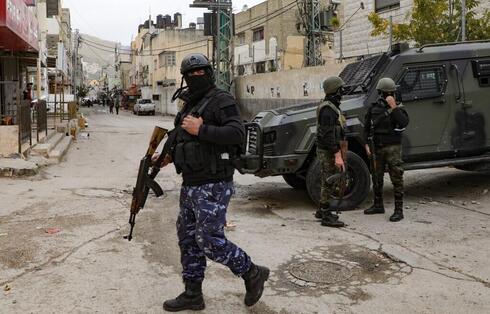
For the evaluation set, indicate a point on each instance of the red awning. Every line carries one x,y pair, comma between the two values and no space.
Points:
18,27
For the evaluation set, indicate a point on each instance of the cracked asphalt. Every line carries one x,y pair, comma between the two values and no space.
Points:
434,261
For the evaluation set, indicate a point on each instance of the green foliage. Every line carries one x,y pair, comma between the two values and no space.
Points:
435,21
83,91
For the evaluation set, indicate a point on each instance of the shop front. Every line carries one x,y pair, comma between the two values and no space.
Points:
18,51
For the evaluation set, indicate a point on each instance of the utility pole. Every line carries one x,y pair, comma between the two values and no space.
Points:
391,32
222,10
75,61
463,20
313,30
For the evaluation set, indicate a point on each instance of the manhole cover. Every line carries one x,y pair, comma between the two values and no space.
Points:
320,272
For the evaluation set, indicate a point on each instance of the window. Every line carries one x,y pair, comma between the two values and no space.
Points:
167,59
240,39
383,5
422,82
241,70
258,34
156,97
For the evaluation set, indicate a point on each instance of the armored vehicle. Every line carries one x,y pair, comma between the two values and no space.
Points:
445,89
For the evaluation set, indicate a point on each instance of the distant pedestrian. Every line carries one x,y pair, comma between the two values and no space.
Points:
111,106
117,104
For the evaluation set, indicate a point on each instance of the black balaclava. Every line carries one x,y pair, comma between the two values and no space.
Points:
335,98
197,87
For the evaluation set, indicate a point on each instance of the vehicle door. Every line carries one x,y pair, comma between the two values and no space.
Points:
424,88
469,134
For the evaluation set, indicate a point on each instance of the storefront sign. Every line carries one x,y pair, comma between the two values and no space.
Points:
18,26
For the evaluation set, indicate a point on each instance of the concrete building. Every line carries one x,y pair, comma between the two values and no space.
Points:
156,58
123,66
270,37
356,38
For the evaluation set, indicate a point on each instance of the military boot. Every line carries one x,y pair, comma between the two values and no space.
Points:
398,214
255,279
377,208
323,208
190,299
329,219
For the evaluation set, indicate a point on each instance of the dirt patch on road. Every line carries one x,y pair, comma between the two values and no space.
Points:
346,269
21,235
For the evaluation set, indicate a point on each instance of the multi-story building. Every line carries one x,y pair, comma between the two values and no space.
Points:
123,66
356,34
156,57
271,36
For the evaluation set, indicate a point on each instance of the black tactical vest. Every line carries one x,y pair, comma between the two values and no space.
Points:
385,129
202,162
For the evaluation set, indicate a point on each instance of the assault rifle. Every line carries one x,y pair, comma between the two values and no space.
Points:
341,177
372,158
147,173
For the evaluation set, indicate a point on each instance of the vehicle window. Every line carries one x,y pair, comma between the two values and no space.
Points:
422,82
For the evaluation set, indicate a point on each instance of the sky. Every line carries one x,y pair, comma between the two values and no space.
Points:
118,20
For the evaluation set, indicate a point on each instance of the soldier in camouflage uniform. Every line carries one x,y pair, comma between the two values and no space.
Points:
204,149
330,131
384,123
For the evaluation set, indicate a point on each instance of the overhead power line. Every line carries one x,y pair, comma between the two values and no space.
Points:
104,48
144,54
98,43
265,16
271,17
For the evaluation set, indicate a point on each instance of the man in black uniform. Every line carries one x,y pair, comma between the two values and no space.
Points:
210,131
383,126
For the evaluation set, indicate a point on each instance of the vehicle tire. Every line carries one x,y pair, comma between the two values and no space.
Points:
295,181
359,183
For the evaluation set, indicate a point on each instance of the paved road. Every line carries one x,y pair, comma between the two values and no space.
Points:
435,261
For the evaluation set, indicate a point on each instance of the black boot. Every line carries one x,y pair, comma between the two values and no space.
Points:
377,208
331,220
190,299
255,279
323,208
398,214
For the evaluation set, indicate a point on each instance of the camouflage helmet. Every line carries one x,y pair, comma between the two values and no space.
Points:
332,84
194,61
386,85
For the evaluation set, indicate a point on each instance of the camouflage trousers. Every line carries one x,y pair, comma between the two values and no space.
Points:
390,157
327,169
200,230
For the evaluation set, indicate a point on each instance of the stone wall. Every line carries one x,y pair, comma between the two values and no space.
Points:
9,140
356,36
260,92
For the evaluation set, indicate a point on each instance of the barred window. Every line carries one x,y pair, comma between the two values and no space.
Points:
422,82
167,58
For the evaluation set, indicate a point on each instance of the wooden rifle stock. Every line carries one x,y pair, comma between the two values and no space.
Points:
145,181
